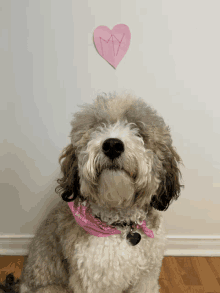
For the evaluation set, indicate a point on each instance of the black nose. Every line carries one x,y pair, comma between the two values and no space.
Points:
113,147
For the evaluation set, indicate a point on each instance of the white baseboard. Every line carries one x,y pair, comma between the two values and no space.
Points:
14,244
178,245
193,245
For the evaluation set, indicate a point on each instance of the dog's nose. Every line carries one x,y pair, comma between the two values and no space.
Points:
113,147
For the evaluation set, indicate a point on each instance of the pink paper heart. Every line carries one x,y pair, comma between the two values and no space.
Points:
113,44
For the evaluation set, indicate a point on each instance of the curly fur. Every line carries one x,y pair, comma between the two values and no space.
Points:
135,186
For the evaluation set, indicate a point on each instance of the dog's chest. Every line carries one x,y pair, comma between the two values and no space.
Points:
111,260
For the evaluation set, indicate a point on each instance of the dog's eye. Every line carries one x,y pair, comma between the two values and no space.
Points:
138,133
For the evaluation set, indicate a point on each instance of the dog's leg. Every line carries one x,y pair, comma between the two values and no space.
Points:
76,285
47,289
147,284
53,289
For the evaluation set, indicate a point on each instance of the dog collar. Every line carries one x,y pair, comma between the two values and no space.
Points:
94,226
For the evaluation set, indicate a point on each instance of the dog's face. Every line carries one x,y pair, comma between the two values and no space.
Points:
120,155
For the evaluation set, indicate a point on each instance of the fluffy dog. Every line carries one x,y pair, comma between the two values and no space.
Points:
120,172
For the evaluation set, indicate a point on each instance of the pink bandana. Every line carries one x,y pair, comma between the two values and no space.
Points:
95,226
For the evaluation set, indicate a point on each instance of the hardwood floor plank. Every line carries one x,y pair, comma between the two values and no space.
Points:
162,271
214,263
189,275
174,277
164,286
10,264
205,274
195,289
163,280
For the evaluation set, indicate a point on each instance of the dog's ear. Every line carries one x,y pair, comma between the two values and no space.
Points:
69,183
169,188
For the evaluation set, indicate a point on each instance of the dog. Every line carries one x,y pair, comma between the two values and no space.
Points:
119,173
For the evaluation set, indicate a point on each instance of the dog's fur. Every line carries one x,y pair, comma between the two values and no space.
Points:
135,186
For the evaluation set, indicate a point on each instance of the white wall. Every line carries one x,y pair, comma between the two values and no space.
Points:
48,66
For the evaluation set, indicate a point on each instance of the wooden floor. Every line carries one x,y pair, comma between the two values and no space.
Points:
190,274
178,274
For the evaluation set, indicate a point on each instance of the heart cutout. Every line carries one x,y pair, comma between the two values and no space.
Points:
113,44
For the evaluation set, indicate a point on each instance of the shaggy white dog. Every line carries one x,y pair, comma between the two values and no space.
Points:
119,172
